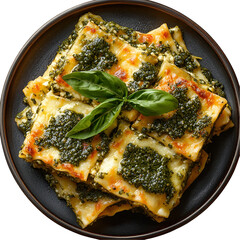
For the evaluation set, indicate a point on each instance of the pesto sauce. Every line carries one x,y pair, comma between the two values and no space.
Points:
126,33
61,62
143,78
157,50
58,69
59,92
217,86
86,193
51,180
25,126
71,150
185,60
185,118
67,42
103,146
146,168
95,55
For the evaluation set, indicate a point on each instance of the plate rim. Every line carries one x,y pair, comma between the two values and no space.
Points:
85,6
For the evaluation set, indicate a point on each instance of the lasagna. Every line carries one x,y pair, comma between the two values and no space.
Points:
139,161
145,172
186,129
87,202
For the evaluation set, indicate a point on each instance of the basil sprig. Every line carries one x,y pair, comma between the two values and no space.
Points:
112,93
98,120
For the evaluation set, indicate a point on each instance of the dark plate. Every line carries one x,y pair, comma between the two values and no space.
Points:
32,62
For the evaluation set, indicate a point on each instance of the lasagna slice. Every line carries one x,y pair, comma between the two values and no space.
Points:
145,172
47,146
186,129
95,49
36,90
206,81
87,203
159,37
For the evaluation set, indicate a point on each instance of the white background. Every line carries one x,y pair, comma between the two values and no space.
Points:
20,219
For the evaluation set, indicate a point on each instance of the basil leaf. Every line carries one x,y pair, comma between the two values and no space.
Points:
97,85
98,120
152,102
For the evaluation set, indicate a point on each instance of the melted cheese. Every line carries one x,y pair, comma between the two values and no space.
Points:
211,105
162,35
177,36
35,92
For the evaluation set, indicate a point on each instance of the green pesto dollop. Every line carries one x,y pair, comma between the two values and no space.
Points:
71,150
144,77
95,55
185,118
86,193
143,166
25,126
156,50
185,60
